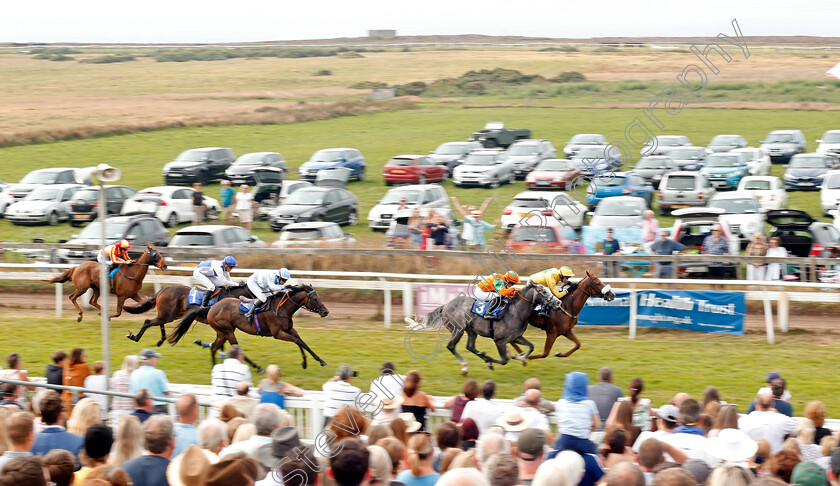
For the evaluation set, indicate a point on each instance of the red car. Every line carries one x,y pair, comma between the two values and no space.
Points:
549,235
553,174
413,169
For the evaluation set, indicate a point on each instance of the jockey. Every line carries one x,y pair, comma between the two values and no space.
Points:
212,274
115,254
550,278
263,283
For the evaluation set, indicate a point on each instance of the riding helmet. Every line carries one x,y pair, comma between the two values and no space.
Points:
285,274
566,272
124,244
511,277
229,261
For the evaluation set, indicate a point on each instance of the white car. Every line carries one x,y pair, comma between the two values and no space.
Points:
741,212
769,190
170,204
829,144
417,196
552,205
619,212
310,234
758,162
44,204
664,144
489,168
582,140
6,200
830,191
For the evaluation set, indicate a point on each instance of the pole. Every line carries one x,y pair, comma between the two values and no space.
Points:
104,286
633,310
783,311
768,316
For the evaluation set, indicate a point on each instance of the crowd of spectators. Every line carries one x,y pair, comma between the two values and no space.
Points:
383,436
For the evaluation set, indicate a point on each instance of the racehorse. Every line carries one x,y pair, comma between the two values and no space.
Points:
457,317
126,282
171,303
225,318
563,320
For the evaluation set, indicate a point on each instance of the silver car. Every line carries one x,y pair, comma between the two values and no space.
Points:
489,168
619,212
725,143
682,189
662,144
582,140
45,204
652,169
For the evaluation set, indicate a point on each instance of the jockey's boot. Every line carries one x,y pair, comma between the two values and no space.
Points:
206,299
250,314
544,312
490,331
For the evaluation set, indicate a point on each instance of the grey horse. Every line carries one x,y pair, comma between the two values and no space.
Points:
457,317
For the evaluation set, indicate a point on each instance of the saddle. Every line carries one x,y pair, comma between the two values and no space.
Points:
245,305
492,310
196,296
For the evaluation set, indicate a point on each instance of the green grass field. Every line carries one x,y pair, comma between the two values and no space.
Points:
379,136
668,361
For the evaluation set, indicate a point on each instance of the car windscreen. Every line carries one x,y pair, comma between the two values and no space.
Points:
832,137
39,178
687,154
395,195
192,238
541,234
477,159
86,195
722,161
301,234
808,163
680,183
833,182
668,141
306,198
591,153
558,165
614,207
42,194
779,138
250,159
450,149
327,156
735,206
530,203
652,164
400,162
524,149
725,140
193,156
113,230
608,181
749,155
762,185
587,139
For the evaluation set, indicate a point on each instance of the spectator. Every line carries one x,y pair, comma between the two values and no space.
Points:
420,472
188,468
775,271
729,474
396,451
53,435
689,437
699,469
185,431
147,376
604,394
36,409
99,381
634,418
27,470
727,419
150,469
243,432
239,469
380,465
610,247
805,431
651,454
243,403
415,229
130,442
84,414
14,371
349,423
143,404
439,232
577,415
768,379
626,474
758,463
469,433
213,437
266,418
227,193
377,432
399,429
782,464
271,388
531,412
55,371
766,423
530,452
389,383
227,374
97,447
75,373
8,396
665,246
490,444
244,203
60,464
482,411
351,465
716,244
650,226
808,474
567,469
21,436
546,407
121,382
834,468
815,412
297,470
272,455
667,417
466,459
674,476
115,476
732,445
502,470
790,444
414,400
390,410
463,477
513,422
338,392
710,394
615,449
198,206
777,389
457,403
757,248
448,435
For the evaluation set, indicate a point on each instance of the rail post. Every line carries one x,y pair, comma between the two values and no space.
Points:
59,296
783,311
387,291
633,310
408,299
768,316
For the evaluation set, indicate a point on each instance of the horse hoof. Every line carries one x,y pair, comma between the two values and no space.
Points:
159,343
79,319
324,363
559,355
490,366
464,371
303,365
260,370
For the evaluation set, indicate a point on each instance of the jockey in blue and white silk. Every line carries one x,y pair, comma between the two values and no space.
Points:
263,284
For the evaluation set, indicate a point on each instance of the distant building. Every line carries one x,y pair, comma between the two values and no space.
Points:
382,34
382,93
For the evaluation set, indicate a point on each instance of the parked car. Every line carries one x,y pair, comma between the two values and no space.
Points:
215,236
663,144
758,162
271,193
598,159
619,212
45,204
742,213
781,145
551,235
802,236
452,154
688,158
489,168
349,158
830,191
829,144
172,205
725,143
198,165
725,170
313,234
416,197
138,229
691,227
618,184
553,174
557,206
84,205
242,171
494,134
40,177
807,171
653,168
6,200
526,154
582,140
413,169
679,190
327,200
769,191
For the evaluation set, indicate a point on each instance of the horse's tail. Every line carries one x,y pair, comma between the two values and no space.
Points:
142,306
186,323
67,275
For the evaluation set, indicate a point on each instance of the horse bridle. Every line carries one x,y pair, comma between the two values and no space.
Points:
302,303
152,252
585,291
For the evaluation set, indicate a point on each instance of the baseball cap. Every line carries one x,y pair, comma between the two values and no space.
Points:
772,376
149,354
531,442
669,413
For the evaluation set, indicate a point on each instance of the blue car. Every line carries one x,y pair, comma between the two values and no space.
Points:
807,171
725,170
331,158
618,184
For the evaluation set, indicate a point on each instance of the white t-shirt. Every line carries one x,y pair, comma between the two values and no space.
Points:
483,412
98,382
771,425
243,200
575,418
226,375
337,394
694,446
535,418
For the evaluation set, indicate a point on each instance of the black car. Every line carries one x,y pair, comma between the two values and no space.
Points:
138,229
328,200
84,205
803,236
198,165
242,171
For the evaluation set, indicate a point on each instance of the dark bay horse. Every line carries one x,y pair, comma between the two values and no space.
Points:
171,303
276,321
127,281
563,320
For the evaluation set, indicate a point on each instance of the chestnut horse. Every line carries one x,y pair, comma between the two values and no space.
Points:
563,320
127,281
171,303
225,318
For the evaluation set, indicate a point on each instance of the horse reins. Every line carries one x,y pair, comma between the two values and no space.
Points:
156,265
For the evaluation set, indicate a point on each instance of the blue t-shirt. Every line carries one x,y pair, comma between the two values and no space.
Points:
611,246
151,378
575,418
407,479
227,194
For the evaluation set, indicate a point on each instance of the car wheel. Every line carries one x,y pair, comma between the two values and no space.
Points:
76,224
52,219
663,211
211,213
361,176
353,220
494,184
512,178
203,178
388,183
421,180
172,221
444,177
491,143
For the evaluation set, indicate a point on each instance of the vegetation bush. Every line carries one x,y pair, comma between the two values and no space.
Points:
53,50
568,77
322,72
221,54
560,49
606,49
369,85
111,58
415,88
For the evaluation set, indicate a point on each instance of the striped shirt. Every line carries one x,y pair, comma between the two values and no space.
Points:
337,394
575,418
226,375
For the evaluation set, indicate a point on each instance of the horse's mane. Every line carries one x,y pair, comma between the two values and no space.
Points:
570,294
297,288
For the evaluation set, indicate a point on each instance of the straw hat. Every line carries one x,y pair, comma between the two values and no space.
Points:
513,421
732,445
411,424
187,469
389,404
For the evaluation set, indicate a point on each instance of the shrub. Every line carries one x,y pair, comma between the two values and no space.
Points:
632,84
728,86
61,57
111,58
474,87
322,72
415,88
568,77
221,54
560,49
606,49
368,85
350,55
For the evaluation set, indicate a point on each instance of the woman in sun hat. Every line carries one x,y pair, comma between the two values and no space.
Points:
577,415
513,422
390,410
732,445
